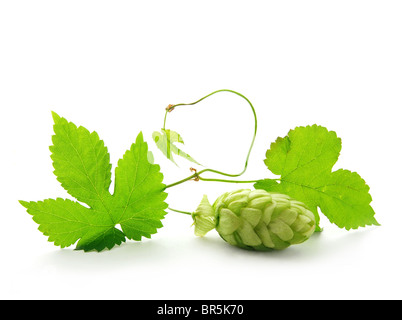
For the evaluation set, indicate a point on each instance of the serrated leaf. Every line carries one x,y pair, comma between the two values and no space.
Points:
81,163
165,141
138,195
304,160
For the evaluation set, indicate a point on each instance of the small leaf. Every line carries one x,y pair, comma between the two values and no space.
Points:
165,140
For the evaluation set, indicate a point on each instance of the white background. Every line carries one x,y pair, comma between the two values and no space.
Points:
113,66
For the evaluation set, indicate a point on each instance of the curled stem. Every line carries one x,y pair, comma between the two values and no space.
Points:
196,175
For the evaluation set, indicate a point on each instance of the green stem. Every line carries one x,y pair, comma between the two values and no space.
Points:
181,181
179,211
228,181
164,120
252,141
197,176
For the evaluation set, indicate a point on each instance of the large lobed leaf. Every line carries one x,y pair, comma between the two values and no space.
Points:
82,165
304,160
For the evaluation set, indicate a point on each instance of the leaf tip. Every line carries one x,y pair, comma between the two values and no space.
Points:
24,203
156,136
376,223
56,117
140,138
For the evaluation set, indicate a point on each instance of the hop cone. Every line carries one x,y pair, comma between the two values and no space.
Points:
256,219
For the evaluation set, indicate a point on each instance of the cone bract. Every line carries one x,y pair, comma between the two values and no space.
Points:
204,218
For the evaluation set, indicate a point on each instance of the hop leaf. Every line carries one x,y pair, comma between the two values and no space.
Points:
165,141
82,166
304,161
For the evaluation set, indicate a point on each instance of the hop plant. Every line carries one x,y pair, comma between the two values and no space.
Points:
255,219
261,219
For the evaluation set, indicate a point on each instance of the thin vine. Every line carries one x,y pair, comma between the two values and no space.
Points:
197,175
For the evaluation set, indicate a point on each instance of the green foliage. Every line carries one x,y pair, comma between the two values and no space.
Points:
304,160
97,219
165,141
82,166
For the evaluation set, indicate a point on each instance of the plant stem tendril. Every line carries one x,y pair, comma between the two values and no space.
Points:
197,175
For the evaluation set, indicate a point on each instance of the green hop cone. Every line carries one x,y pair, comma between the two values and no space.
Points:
255,219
